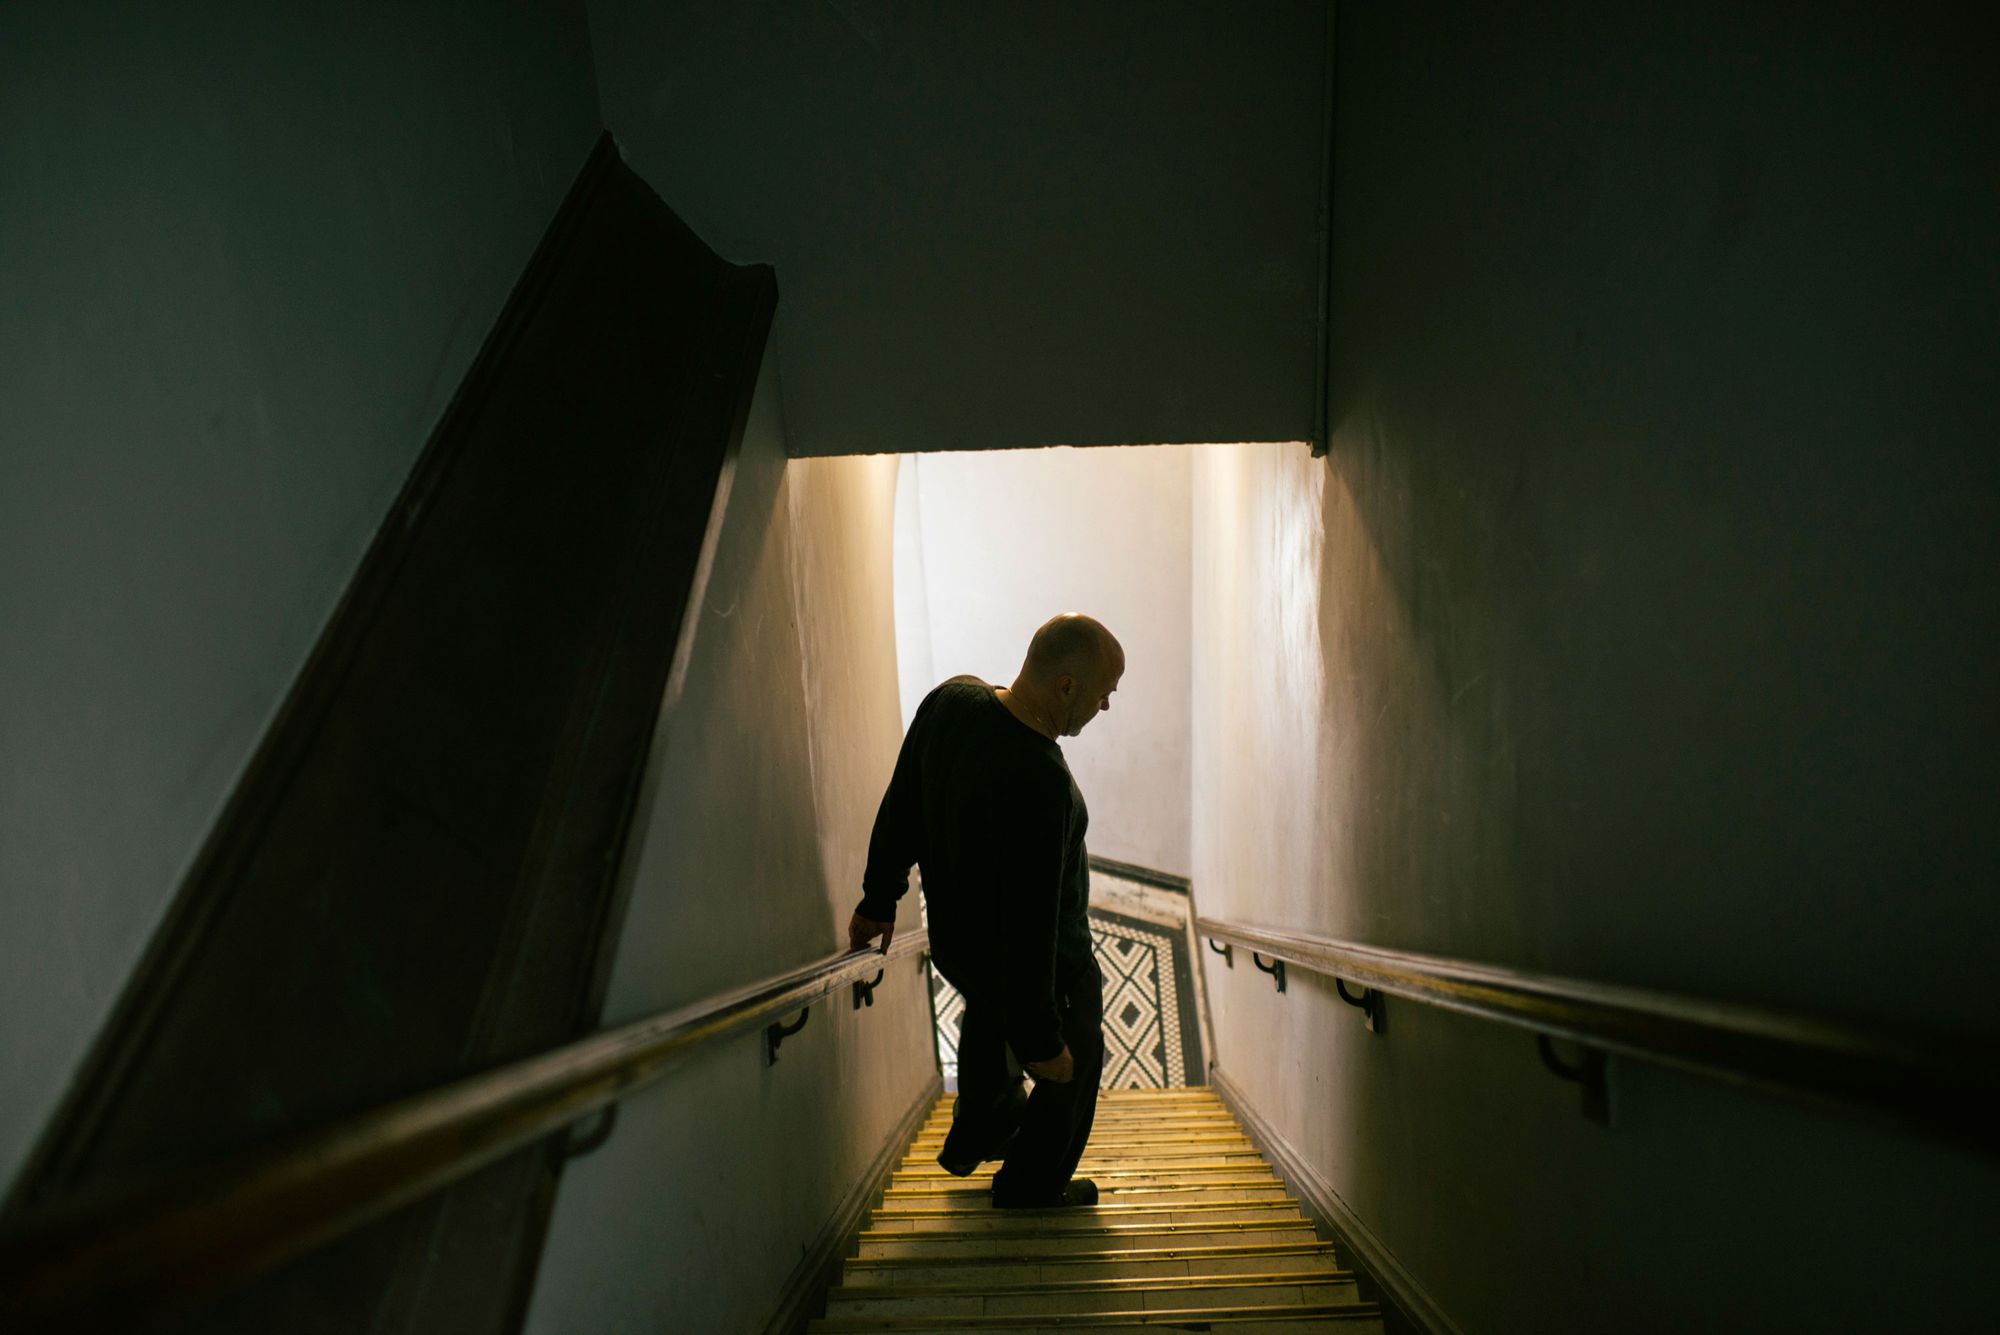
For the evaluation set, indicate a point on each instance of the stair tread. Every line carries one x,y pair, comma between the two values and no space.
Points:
1104,1209
1041,1222
1192,1114
1144,1194
1042,1241
1034,1300
1207,1254
1243,1280
1138,1135
1090,1166
1216,1116
1111,1191
1178,1154
1125,1168
1136,1317
1192,1229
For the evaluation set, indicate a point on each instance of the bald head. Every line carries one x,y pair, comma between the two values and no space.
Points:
1073,666
1071,643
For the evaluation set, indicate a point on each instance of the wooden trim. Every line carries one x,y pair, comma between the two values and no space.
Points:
65,1142
804,1294
1940,1083
1407,1306
1323,350
137,1255
1132,871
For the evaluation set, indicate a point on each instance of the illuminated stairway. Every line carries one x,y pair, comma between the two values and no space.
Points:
1192,1231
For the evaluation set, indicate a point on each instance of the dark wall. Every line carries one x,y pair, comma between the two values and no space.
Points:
1000,225
1664,385
249,251
1638,627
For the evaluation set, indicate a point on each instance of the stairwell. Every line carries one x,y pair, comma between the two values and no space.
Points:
1193,1231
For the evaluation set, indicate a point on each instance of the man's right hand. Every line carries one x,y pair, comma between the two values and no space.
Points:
1059,1069
861,931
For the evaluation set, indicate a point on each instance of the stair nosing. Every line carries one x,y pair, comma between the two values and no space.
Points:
1211,1252
874,1292
1141,1317
1086,1211
1107,1230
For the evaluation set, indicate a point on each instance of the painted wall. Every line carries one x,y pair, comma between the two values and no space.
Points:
1638,627
1028,224
249,251
992,545
760,796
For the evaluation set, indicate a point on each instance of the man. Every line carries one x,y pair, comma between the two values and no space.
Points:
982,801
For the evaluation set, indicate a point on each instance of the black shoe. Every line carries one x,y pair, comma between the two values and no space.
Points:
961,1155
1078,1191
966,1167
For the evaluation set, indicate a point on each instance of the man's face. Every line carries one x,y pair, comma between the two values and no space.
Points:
1085,697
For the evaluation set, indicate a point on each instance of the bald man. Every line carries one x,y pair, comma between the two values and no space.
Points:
982,801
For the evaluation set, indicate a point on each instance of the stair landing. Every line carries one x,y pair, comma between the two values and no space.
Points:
1192,1231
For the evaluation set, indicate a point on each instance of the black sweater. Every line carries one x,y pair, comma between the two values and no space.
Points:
986,807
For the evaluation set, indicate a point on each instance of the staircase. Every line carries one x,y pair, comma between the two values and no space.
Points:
1192,1232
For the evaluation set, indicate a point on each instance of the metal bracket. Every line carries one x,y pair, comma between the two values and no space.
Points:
775,1034
864,993
1223,949
1591,1075
1370,1003
1276,968
575,1147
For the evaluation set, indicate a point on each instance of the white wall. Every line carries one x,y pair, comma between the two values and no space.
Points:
248,252
1629,631
1036,223
1000,542
747,862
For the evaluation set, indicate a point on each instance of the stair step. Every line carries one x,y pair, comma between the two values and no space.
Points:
1349,1318
1193,1231
1111,1112
1171,1158
1280,1288
1150,1147
1040,1240
1192,1120
1121,1136
1127,1136
986,1219
1149,1095
1109,1193
1108,1178
929,1175
1129,1263
1102,1151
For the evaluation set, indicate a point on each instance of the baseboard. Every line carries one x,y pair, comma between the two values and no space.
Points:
805,1289
1398,1288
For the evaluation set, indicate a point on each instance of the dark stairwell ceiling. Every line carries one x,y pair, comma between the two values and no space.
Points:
1029,224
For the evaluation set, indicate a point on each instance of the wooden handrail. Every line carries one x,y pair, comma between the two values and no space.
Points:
1943,1084
104,1266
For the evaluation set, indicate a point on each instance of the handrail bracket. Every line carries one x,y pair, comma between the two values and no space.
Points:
776,1033
1276,968
864,992
1370,1004
1591,1074
575,1146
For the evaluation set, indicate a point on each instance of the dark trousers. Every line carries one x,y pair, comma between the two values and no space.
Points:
1054,1122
